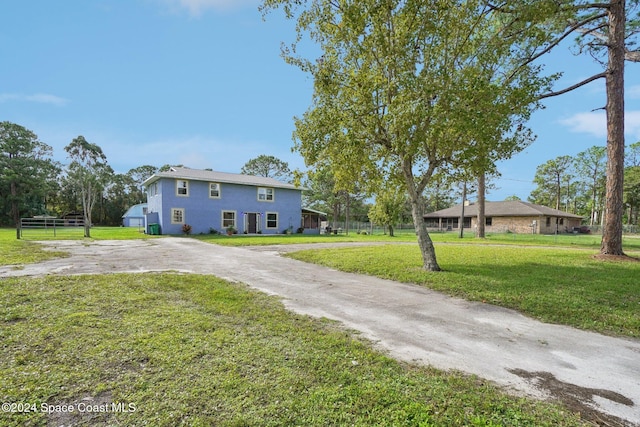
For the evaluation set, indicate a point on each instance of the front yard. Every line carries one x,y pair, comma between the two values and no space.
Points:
172,350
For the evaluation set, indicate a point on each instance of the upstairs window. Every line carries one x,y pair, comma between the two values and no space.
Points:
152,190
182,187
265,194
214,190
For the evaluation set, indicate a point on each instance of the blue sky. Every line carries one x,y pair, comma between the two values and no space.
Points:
202,83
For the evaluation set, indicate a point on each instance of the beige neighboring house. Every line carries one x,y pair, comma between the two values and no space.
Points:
501,217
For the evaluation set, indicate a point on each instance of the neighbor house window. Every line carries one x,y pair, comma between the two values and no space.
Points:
228,219
214,190
177,216
265,194
182,187
450,223
272,220
431,222
488,221
548,222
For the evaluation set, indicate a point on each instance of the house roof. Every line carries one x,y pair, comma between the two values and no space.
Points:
222,177
309,210
135,211
497,209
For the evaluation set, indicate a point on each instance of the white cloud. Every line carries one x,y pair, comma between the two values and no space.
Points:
41,98
632,124
198,152
197,7
595,123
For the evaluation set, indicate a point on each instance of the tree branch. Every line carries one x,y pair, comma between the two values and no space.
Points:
575,86
572,27
632,55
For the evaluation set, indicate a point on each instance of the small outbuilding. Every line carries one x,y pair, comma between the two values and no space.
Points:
312,221
509,216
134,216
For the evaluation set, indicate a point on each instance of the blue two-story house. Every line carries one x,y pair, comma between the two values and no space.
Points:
208,200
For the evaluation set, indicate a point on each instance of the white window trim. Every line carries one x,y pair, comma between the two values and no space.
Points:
273,194
178,181
235,219
266,220
219,190
173,221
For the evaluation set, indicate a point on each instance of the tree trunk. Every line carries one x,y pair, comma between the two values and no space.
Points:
86,211
481,204
390,230
15,206
464,198
613,209
346,213
416,199
424,240
558,190
336,214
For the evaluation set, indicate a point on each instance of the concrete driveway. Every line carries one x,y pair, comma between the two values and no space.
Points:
594,374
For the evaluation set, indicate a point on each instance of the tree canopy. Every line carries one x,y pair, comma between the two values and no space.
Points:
26,171
89,173
267,166
405,89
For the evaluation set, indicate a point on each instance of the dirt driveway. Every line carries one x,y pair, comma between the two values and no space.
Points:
590,372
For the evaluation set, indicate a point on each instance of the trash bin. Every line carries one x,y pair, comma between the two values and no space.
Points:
154,229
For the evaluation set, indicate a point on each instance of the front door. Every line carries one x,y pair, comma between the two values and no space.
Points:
252,223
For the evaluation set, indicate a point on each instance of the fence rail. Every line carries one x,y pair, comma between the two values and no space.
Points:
37,228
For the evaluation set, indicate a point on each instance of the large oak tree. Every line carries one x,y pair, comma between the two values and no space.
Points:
408,89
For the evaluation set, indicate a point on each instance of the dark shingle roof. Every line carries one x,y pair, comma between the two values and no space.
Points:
508,208
222,177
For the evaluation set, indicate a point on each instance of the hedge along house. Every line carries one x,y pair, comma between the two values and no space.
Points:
509,216
208,200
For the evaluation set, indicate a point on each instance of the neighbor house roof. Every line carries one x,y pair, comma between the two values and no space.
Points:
496,209
222,177
135,211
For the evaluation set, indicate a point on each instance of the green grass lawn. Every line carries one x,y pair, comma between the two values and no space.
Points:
14,251
97,233
198,351
195,350
558,285
27,251
290,239
592,241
